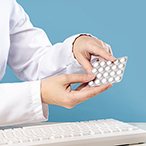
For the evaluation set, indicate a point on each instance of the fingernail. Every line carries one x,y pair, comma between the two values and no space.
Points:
91,75
109,86
112,58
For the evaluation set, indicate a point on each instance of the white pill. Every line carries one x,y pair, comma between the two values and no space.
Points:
114,67
104,80
112,73
119,72
109,62
105,74
116,62
99,75
94,70
100,69
97,82
110,79
117,78
122,60
91,83
107,68
95,64
102,63
121,66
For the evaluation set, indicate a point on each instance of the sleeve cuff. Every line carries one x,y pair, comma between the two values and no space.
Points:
72,61
39,109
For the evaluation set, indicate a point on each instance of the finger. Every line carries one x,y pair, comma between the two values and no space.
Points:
110,50
101,58
77,78
95,49
83,86
85,63
90,92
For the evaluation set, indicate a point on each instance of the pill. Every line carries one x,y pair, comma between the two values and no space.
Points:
109,62
97,82
100,69
108,72
99,75
95,64
114,67
119,72
104,80
94,70
117,78
110,79
116,62
105,74
91,83
112,73
107,68
102,63
121,66
122,60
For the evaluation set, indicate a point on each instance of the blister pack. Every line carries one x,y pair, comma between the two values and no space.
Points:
108,72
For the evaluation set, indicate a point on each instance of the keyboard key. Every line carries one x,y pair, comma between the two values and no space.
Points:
102,130
3,141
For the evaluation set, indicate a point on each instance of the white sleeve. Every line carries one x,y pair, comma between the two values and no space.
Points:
32,56
20,103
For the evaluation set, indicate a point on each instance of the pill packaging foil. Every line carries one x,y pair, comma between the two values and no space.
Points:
108,72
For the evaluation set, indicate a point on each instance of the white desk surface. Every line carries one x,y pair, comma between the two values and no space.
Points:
140,125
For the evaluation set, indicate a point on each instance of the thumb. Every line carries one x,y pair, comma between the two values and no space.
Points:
78,78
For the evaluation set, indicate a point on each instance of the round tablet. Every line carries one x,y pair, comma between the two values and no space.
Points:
122,60
91,83
102,63
99,75
95,64
104,80
112,73
94,70
117,78
97,82
110,79
116,62
119,72
107,68
100,69
105,74
109,62
121,66
114,67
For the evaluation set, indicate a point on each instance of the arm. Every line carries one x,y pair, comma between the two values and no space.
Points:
32,56
21,102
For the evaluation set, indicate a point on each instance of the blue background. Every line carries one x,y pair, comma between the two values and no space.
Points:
122,24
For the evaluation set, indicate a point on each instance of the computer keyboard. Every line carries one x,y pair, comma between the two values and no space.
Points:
107,132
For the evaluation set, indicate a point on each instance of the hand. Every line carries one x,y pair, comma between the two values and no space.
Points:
85,46
56,90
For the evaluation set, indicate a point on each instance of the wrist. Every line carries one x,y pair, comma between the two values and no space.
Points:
75,42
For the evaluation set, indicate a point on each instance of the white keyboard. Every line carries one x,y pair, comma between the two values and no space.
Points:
108,132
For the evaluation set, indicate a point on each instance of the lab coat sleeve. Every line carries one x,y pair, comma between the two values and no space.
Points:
20,103
32,56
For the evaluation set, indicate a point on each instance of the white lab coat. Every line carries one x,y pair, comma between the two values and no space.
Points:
31,56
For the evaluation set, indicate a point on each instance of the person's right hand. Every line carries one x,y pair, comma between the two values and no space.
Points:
56,90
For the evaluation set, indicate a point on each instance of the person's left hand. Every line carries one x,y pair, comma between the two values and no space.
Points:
85,46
